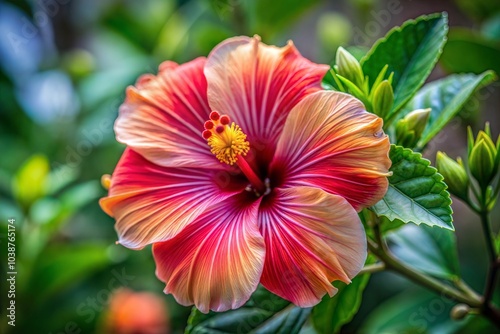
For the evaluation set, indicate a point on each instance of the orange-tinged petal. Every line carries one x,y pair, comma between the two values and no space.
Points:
257,85
152,203
312,238
329,141
215,263
163,116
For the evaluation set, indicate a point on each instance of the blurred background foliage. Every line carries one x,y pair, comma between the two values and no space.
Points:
63,72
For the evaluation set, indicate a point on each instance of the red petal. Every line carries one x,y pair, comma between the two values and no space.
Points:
329,141
163,116
257,85
152,203
215,263
312,238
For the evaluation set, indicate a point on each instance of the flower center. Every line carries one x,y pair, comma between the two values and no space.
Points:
229,144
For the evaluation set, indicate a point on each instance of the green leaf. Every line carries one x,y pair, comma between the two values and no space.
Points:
263,313
414,311
446,97
411,51
416,192
477,53
60,267
67,204
332,313
429,249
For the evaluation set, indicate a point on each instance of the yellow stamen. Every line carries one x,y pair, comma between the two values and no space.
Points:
227,142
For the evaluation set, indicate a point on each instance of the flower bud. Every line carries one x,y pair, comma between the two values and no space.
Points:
488,142
348,67
410,128
454,174
106,181
459,311
482,162
417,120
383,99
484,158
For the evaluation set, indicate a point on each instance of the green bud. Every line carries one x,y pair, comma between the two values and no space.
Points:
348,67
383,99
454,175
404,136
487,140
482,163
410,128
417,120
483,153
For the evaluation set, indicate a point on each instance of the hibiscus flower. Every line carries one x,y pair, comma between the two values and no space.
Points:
241,170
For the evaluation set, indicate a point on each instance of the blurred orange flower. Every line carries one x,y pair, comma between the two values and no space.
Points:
133,312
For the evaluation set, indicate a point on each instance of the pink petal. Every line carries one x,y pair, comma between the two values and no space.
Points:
163,116
257,85
330,141
152,203
215,263
312,238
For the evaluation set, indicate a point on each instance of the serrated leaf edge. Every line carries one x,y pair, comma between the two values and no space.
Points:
408,152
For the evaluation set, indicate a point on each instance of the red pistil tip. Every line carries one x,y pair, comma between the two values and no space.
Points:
224,120
214,115
219,129
207,134
209,125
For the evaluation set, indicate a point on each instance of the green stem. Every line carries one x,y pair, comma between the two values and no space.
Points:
488,235
372,268
394,264
491,279
465,288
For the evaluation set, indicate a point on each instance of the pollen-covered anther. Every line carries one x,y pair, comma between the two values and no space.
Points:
226,140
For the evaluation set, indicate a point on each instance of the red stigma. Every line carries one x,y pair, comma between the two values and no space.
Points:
206,134
209,125
224,120
214,115
219,129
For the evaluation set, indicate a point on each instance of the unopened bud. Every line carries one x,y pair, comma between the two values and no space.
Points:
383,99
459,311
487,140
454,175
482,162
106,181
348,67
410,128
417,120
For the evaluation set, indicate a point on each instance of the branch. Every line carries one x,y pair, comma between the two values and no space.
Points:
433,284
